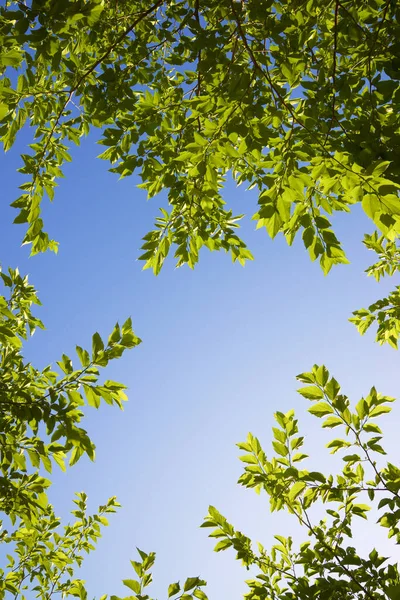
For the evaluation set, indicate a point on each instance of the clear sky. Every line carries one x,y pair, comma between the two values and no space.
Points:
221,347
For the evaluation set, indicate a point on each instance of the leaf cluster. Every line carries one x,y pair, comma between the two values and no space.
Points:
300,101
326,566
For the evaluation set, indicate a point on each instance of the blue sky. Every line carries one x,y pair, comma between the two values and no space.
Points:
221,347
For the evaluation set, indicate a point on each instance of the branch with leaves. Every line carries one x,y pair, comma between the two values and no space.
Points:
326,566
167,81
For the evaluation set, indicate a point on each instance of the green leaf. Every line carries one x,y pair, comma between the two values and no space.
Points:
372,428
362,408
115,336
378,168
332,389
93,398
315,476
173,588
336,444
379,410
3,110
190,583
296,490
249,459
320,409
223,545
311,392
299,456
132,584
351,458
322,375
97,344
11,57
361,507
280,449
332,422
393,591
83,356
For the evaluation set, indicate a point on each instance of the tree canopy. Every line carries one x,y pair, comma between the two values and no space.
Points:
299,100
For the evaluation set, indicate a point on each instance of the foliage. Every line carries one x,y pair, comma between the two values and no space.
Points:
190,590
300,100
326,566
44,559
388,253
40,425
33,400
385,312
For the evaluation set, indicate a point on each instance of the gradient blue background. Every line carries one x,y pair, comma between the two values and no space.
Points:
221,348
